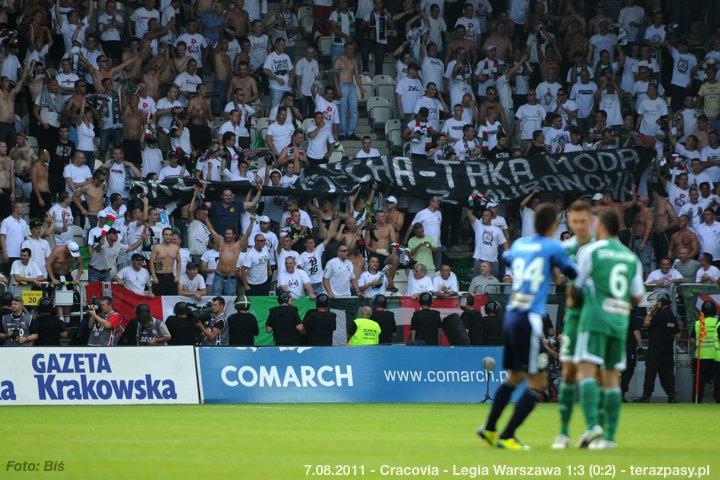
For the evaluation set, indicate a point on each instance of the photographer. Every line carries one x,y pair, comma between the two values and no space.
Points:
46,327
106,325
150,331
662,328
16,326
214,330
180,328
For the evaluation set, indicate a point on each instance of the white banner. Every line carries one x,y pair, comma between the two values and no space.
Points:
97,376
169,301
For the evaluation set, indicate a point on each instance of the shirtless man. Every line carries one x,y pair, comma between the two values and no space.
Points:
642,229
40,197
349,74
222,65
229,247
683,238
7,105
199,112
665,222
500,40
133,129
378,241
7,181
620,207
161,265
100,74
459,41
132,58
238,19
395,217
94,192
244,81
75,103
23,157
59,267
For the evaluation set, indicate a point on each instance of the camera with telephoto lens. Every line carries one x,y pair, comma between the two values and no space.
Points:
13,334
198,313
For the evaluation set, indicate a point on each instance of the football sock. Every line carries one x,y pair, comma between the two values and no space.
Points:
566,400
502,398
590,398
601,407
613,400
523,407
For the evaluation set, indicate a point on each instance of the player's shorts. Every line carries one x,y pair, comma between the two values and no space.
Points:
524,350
569,334
601,349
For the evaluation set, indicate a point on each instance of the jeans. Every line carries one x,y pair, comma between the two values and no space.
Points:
106,136
318,288
348,109
98,276
336,49
644,255
223,286
275,97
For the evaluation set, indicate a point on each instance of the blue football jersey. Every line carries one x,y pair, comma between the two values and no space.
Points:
531,260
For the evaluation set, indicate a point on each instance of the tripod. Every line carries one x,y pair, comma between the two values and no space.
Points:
487,387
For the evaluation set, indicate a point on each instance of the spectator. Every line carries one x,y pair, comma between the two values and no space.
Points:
339,275
372,282
422,247
665,276
419,282
192,284
686,265
707,273
348,82
135,277
106,251
479,283
294,280
13,231
708,234
445,283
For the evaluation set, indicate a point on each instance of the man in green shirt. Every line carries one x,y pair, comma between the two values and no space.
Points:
608,284
422,248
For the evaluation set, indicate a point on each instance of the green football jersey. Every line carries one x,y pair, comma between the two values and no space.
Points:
609,275
572,247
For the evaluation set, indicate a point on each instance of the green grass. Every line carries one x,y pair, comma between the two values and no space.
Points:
277,441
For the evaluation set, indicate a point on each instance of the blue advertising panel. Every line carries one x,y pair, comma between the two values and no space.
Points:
347,374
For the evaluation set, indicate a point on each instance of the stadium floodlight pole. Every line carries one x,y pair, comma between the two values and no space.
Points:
488,366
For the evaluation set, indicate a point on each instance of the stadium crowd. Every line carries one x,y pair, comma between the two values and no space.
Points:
96,95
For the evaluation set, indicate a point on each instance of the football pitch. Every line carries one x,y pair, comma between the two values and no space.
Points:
341,441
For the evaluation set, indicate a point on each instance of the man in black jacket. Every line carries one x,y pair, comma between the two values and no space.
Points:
243,324
425,323
284,322
320,323
473,320
182,330
384,318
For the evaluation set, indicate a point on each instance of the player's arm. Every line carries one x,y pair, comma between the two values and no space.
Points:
584,266
563,262
637,287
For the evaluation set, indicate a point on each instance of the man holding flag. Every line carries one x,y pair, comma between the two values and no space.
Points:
706,367
107,249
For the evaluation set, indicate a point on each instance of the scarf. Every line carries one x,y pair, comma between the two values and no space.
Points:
381,35
51,101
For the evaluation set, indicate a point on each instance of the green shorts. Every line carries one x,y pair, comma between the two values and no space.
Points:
569,334
600,349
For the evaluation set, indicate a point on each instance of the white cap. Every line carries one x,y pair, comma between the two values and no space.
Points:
391,199
263,219
597,197
74,249
491,204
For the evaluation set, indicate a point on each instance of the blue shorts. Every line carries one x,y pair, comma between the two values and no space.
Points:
524,349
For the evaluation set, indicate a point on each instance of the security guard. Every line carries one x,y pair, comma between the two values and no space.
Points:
708,351
662,328
363,330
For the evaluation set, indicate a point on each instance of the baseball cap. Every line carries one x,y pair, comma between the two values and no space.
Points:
491,204
263,219
391,199
74,249
597,197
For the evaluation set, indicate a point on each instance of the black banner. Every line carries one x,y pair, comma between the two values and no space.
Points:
592,171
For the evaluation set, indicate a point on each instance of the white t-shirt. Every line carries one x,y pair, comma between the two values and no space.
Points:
547,95
164,103
487,240
295,282
658,275
709,238
431,222
76,174
453,128
283,255
135,281
410,90
450,283
311,263
518,10
583,95
434,108
31,270
317,147
635,14
339,273
603,42
415,286
556,139
308,72
187,83
330,111
257,265
531,118
258,50
655,34
683,63
610,103
211,258
367,277
151,161
713,272
147,106
111,34
280,65
651,110
86,136
192,284
458,84
432,70
141,17
281,134
527,216
15,232
40,250
195,43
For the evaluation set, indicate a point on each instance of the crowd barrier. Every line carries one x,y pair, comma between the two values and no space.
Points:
189,375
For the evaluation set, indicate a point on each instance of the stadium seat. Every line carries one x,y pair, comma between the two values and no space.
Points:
261,125
335,156
393,134
78,234
367,88
307,23
324,44
379,110
382,80
384,86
